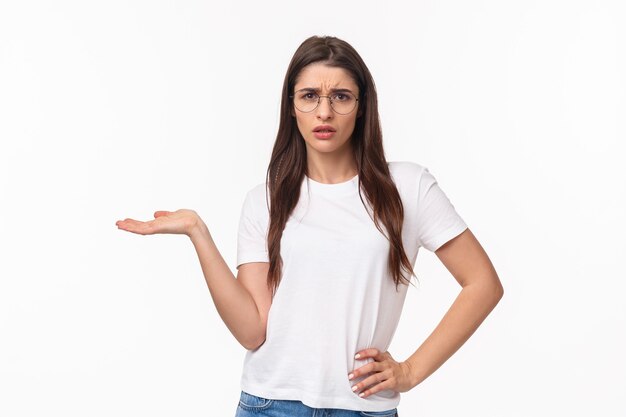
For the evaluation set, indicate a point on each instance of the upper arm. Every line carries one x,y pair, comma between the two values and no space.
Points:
252,252
468,262
253,277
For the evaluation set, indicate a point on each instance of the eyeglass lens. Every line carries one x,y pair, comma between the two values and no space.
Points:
341,102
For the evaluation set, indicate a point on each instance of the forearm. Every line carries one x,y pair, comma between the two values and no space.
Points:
234,303
470,308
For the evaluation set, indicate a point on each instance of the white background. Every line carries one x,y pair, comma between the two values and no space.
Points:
117,109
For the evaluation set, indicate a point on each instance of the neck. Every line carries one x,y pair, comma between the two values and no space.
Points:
331,169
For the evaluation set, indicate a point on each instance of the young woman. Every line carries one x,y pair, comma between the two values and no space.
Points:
325,245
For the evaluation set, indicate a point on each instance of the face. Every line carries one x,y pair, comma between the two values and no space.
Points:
324,80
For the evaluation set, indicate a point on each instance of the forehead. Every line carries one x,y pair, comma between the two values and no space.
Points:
319,75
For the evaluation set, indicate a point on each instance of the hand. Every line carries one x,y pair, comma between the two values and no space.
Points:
388,374
181,221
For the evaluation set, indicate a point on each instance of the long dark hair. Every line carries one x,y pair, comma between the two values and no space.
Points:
288,163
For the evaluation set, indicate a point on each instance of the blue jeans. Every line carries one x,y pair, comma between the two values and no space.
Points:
253,406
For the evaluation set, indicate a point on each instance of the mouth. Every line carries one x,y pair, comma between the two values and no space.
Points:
323,134
324,129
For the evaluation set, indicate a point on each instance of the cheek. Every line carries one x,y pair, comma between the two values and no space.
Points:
304,121
350,125
301,123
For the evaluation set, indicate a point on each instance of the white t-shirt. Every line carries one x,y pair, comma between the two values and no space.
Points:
336,296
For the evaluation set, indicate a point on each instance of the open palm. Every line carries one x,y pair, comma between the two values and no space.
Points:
173,222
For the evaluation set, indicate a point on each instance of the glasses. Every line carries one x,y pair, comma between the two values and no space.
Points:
341,102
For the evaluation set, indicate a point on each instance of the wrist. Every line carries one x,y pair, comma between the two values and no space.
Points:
413,373
198,230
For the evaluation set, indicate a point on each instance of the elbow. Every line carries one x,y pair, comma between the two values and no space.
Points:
498,292
496,289
255,338
492,290
254,344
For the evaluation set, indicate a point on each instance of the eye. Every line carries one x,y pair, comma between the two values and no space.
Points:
308,96
341,97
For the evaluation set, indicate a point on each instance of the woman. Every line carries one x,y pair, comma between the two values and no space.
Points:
324,248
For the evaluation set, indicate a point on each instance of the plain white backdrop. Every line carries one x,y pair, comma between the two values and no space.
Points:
117,109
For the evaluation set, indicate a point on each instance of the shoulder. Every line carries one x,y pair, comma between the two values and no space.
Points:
257,197
407,176
258,189
405,172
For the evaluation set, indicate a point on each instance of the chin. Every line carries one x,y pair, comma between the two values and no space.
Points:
323,147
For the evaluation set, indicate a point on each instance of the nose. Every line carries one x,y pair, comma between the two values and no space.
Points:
324,110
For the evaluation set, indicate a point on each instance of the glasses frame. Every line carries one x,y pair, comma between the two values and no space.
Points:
319,99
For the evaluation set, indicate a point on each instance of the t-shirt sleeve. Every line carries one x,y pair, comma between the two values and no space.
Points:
437,220
251,237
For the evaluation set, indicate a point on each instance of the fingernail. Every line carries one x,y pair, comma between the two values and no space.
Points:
354,388
350,376
361,394
357,356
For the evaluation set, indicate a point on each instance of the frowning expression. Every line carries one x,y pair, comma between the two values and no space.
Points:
323,129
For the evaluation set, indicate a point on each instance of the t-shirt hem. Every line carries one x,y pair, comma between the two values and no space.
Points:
252,257
446,236
320,401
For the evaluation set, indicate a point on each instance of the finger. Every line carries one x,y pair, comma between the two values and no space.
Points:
366,384
122,224
376,388
134,226
365,353
123,221
366,369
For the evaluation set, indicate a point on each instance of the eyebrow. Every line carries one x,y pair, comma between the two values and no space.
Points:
333,90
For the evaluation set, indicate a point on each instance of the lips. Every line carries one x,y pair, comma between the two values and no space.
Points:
324,128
